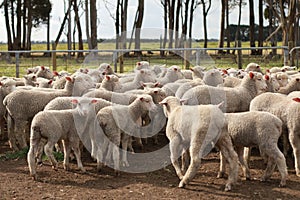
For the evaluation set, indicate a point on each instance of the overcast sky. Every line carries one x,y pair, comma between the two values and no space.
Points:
152,24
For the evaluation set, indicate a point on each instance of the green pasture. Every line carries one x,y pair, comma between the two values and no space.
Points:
71,64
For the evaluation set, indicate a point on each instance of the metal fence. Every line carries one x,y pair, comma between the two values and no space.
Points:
14,63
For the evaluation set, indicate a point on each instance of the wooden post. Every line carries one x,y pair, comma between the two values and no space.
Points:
187,54
53,56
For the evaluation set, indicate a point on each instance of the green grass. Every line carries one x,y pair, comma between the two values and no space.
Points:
71,65
22,154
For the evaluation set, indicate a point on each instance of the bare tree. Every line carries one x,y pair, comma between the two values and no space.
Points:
260,27
138,26
93,20
78,24
205,10
252,26
222,25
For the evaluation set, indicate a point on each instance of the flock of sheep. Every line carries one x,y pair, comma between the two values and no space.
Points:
198,109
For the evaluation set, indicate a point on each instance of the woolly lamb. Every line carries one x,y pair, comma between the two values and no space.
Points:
6,87
293,85
261,129
110,83
116,119
288,111
198,72
173,74
52,126
22,105
282,78
143,75
235,99
30,80
213,77
186,86
142,65
198,137
253,67
44,72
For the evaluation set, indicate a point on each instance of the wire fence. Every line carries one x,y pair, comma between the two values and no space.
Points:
15,63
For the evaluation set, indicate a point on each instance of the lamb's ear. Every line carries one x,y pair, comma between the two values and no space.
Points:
108,66
25,76
68,78
74,101
267,77
94,101
257,66
251,74
50,82
220,104
157,84
297,99
1,83
192,69
268,71
107,78
139,63
224,71
142,99
28,71
55,73
142,84
297,79
43,67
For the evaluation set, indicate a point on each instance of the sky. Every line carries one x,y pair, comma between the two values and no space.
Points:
152,24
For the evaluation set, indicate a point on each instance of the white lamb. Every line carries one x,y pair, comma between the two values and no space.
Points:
235,99
256,129
197,136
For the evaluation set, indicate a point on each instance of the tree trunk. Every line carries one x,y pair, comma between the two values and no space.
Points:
165,6
185,22
192,8
78,24
221,39
7,24
227,26
117,24
93,18
124,5
261,27
24,24
29,26
139,23
171,8
251,26
177,21
205,12
19,26
87,24
13,23
237,33
48,32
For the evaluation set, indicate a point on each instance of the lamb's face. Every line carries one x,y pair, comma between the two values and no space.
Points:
8,86
84,106
282,79
273,81
147,103
261,85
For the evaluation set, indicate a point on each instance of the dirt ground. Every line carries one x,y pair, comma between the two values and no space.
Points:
15,182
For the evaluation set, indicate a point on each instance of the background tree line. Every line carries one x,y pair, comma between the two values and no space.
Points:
282,15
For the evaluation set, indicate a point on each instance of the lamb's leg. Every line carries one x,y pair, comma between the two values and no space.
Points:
125,140
295,142
285,141
227,151
222,170
49,153
175,154
76,148
116,158
194,165
276,157
34,143
20,127
11,135
3,136
185,160
67,150
247,155
246,170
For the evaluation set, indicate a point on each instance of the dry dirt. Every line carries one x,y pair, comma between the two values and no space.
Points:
15,182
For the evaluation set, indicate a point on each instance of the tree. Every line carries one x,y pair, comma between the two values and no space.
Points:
222,25
205,10
93,20
138,26
251,24
78,24
261,27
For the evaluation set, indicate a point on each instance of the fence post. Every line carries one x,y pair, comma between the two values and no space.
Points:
187,55
115,61
197,57
240,64
17,64
286,56
53,56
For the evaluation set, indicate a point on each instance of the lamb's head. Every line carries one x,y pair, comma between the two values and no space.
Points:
111,82
44,72
273,85
79,84
169,104
157,94
84,105
145,75
253,67
146,102
198,71
105,68
213,77
294,83
260,83
142,65
174,73
282,78
7,86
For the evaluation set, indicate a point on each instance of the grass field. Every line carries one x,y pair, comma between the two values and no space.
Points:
8,67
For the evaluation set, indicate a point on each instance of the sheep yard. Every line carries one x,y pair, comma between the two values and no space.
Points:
15,182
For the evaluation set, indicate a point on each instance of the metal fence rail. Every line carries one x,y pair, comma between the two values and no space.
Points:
123,60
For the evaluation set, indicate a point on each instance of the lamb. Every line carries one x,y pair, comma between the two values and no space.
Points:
254,67
231,81
198,71
262,129
22,105
272,83
293,85
143,75
197,137
173,74
6,87
186,86
113,120
287,110
44,72
30,80
235,99
110,83
213,77
106,68
142,65
52,126
282,78
44,83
